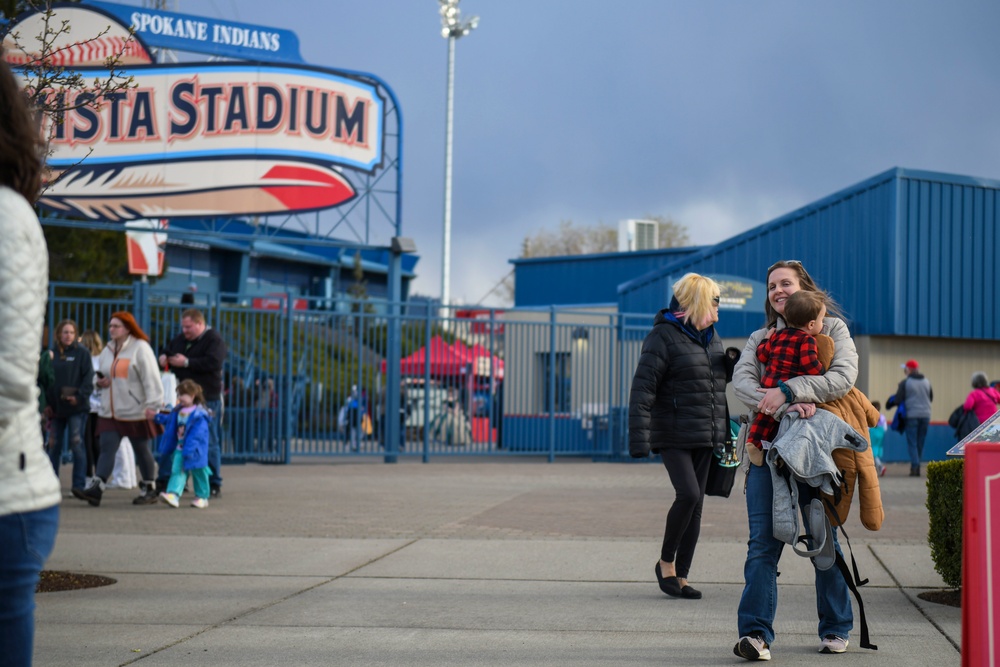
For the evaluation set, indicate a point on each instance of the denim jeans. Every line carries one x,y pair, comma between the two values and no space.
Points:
215,443
916,433
76,423
759,602
26,540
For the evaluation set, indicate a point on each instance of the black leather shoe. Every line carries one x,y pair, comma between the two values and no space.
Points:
668,585
690,593
92,494
215,491
149,496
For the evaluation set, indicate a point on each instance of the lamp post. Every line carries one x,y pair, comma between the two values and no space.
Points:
452,28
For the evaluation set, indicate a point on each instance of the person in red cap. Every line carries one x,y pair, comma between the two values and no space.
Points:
914,394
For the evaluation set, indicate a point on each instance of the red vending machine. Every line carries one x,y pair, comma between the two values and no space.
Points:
981,545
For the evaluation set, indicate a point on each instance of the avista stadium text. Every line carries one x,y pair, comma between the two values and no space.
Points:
217,109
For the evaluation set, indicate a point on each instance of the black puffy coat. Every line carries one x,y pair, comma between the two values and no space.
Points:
74,374
678,397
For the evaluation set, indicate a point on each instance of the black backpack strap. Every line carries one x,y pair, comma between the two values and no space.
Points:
853,583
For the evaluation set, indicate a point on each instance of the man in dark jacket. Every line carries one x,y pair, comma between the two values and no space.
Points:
914,394
68,399
198,354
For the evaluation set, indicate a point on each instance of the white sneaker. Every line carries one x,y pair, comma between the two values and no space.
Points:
200,503
170,499
752,647
832,644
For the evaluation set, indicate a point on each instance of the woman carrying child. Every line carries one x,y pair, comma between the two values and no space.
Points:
185,444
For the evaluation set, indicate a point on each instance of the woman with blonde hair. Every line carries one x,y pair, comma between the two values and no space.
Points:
678,409
128,373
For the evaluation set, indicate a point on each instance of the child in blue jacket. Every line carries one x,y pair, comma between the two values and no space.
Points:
185,444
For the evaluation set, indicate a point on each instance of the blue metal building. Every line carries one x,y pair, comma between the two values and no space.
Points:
585,279
908,254
260,266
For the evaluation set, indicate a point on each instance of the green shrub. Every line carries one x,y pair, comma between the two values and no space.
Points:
944,504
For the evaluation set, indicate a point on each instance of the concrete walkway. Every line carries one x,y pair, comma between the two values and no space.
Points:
515,562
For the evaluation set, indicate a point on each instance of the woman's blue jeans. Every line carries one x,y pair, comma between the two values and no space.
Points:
76,425
916,433
26,540
760,594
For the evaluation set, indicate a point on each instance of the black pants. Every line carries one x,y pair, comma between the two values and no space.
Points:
688,470
92,443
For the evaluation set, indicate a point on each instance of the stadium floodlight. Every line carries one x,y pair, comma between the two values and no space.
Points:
452,28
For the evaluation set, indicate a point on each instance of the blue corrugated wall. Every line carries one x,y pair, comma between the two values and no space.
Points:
585,279
905,253
947,245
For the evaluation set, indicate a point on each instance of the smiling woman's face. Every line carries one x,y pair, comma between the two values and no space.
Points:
781,284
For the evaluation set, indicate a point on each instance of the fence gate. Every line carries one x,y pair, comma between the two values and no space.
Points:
310,380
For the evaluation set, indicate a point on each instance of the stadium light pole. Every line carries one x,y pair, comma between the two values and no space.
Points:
452,28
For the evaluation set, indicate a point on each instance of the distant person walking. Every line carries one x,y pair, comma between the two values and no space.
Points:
915,395
983,398
677,408
132,394
91,341
198,354
68,400
185,445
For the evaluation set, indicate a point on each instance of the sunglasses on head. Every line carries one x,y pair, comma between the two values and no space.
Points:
784,264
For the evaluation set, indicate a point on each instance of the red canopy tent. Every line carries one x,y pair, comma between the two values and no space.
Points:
450,360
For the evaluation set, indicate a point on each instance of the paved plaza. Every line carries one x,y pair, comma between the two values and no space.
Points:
455,562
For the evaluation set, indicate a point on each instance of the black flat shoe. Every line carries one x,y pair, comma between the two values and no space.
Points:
668,585
690,593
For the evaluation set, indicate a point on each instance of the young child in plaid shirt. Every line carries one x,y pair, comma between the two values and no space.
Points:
788,353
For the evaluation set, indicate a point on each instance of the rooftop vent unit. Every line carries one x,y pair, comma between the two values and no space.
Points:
637,235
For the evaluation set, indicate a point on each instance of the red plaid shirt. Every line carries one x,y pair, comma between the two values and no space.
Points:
788,353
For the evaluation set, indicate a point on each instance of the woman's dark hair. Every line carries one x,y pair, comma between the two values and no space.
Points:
20,140
133,327
979,380
805,283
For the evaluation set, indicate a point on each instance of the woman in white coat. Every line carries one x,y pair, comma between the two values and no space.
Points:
132,394
29,490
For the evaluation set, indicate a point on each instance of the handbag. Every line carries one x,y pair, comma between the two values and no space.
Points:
963,421
726,461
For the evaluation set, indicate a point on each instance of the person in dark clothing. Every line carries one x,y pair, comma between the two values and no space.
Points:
68,400
914,394
677,408
198,354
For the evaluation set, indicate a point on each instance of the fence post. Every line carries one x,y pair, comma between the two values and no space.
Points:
551,403
289,375
394,345
52,313
427,387
618,441
140,303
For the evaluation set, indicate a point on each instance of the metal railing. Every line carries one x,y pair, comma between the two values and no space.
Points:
306,377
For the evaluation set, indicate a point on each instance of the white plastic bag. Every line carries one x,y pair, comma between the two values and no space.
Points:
123,475
169,388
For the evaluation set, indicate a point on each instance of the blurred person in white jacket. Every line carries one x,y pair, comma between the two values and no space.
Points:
132,394
29,489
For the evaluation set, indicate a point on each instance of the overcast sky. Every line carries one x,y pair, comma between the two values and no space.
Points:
719,114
